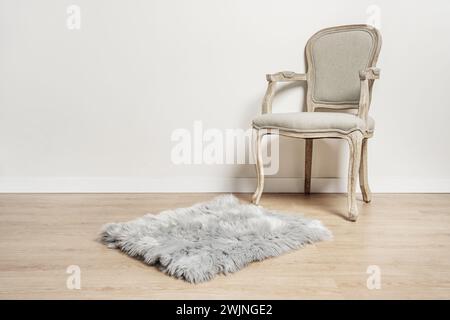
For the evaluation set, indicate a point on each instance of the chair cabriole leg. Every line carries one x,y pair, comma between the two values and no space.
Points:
355,143
257,152
363,173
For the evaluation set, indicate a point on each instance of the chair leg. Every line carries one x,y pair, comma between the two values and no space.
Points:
355,143
257,152
363,174
308,164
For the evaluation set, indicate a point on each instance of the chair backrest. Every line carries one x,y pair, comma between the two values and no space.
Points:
335,56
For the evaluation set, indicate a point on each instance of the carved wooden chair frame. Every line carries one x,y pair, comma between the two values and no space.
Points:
357,140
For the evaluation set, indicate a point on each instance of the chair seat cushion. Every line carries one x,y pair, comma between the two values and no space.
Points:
313,122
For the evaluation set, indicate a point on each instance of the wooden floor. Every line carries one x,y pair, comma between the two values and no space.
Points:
407,236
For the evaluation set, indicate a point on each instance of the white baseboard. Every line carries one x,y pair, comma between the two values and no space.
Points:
202,184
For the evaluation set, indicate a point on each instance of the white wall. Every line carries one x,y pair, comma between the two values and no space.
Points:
94,109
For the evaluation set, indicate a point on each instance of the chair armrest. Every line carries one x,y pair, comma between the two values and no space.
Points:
369,74
286,76
283,76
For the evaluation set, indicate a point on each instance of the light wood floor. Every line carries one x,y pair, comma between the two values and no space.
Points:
407,236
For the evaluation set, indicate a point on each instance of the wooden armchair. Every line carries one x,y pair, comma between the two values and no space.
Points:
341,71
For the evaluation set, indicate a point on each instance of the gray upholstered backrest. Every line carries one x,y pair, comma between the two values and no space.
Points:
335,57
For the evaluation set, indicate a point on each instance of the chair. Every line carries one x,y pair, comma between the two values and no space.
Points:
340,74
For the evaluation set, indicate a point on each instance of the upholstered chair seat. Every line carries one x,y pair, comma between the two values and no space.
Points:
313,122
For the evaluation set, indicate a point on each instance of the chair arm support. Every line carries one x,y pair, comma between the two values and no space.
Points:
286,76
268,97
369,74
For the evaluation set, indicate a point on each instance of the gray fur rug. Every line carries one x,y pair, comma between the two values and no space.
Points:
216,237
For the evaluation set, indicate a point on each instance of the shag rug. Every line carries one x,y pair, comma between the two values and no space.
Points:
216,237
